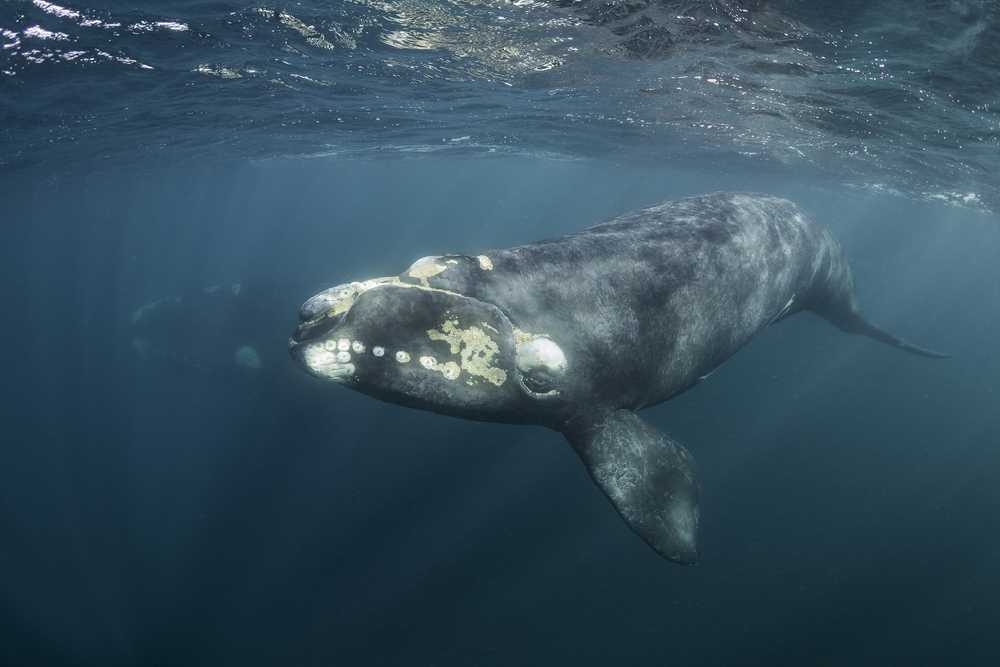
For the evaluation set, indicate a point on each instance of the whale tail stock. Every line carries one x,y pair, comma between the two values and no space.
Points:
865,328
649,478
850,320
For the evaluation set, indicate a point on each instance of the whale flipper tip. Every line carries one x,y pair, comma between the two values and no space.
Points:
648,477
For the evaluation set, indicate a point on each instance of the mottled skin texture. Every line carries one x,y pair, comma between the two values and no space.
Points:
650,302
642,308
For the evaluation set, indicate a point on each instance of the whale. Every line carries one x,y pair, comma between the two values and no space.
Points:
580,333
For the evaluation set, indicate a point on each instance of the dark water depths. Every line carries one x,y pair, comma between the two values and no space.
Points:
159,512
169,498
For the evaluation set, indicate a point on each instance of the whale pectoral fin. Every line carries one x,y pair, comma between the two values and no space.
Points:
648,477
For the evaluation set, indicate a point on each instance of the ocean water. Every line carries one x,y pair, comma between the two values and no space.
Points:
176,178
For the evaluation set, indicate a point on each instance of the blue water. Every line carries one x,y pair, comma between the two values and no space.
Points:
163,504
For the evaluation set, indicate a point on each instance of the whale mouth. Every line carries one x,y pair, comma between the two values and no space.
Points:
314,329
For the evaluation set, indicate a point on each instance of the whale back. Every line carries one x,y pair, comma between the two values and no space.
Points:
649,302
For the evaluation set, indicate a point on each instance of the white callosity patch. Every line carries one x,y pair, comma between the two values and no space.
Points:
344,344
333,301
338,299
403,357
378,351
343,356
330,345
358,347
427,267
325,363
485,263
476,350
450,370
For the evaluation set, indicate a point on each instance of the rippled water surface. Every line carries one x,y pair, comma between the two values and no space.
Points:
887,95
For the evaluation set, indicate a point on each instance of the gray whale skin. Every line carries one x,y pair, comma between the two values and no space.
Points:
580,332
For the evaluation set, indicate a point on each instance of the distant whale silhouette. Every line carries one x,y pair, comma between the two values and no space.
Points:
579,333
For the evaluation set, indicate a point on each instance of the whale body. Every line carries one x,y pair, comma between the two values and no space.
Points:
581,332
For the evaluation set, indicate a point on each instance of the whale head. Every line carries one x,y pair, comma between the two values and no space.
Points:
441,337
402,341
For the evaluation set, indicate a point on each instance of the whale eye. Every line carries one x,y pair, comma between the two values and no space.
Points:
541,363
538,381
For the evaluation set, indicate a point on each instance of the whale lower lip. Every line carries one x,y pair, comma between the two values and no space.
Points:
320,362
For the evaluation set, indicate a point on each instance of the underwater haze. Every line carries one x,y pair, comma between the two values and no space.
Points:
176,179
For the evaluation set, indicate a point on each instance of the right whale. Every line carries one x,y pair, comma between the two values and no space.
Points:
580,332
